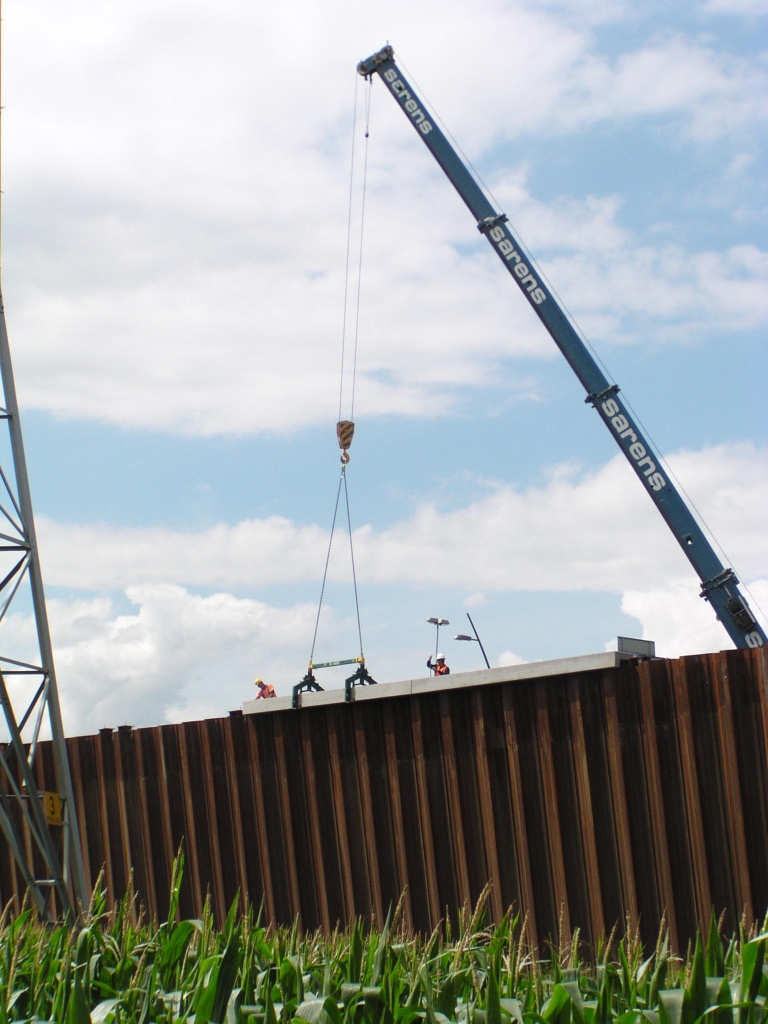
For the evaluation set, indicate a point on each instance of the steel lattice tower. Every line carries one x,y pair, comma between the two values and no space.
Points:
29,827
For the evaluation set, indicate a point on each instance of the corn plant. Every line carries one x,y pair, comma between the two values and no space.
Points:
121,968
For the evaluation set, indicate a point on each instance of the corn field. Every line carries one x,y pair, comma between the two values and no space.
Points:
118,968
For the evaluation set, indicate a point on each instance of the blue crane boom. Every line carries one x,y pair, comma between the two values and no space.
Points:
719,584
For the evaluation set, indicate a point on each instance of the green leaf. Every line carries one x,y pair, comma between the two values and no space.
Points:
492,1005
355,953
671,1005
327,976
659,976
348,992
104,1009
234,1003
628,989
229,924
642,970
62,991
629,1017
77,1011
148,995
269,1007
720,995
752,958
675,1006
319,1011
14,997
207,990
697,985
426,982
603,1009
225,980
175,947
514,1008
177,876
406,1015
577,1008
381,949
532,1017
557,1009
715,962
446,1000
286,980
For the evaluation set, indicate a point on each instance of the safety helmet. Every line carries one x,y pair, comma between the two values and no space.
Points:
439,657
258,682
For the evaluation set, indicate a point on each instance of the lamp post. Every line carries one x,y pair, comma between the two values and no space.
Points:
437,623
463,636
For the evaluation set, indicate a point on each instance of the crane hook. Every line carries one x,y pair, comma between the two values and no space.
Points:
345,431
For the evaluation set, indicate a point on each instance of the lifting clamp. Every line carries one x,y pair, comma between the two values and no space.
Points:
361,677
307,683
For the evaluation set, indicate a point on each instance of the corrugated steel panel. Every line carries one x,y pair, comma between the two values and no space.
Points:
587,796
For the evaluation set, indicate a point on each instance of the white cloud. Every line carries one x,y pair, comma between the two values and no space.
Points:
177,657
623,291
664,292
509,658
671,76
735,7
595,531
675,617
174,238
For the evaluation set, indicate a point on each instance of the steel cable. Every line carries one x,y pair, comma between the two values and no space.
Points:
343,476
360,253
352,556
342,479
349,244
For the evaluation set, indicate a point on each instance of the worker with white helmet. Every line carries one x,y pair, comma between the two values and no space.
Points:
438,666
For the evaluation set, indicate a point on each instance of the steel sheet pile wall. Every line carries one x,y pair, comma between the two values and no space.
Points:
629,791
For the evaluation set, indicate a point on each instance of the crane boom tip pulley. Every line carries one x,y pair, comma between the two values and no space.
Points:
368,66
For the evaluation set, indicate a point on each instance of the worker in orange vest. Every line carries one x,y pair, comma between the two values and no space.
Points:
438,666
264,689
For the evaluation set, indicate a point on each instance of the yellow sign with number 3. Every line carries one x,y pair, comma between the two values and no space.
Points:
52,805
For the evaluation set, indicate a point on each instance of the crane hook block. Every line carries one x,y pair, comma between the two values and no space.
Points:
345,431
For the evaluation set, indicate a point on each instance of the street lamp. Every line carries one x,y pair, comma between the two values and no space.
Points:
437,623
463,636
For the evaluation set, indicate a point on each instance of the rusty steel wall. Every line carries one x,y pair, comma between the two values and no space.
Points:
626,792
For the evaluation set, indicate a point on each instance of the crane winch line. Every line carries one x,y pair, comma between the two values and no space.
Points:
345,431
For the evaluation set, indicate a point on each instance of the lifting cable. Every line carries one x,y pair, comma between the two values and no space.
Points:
345,429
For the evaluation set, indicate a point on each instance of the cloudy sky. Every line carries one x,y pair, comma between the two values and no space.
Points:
175,215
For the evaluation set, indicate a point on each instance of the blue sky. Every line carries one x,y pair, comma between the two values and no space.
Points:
175,190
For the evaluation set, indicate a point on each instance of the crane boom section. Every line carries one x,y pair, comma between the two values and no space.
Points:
719,584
